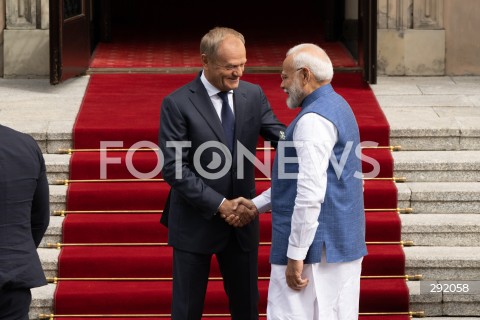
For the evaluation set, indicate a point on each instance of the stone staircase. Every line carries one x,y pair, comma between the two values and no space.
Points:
445,227
435,120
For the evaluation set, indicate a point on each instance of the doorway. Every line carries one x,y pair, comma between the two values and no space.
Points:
154,36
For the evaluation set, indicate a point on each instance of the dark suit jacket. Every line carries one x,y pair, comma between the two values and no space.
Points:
24,210
188,114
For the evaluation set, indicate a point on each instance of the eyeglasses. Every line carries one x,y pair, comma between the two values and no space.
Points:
231,67
285,77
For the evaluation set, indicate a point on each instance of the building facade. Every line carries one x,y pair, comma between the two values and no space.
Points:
428,37
414,37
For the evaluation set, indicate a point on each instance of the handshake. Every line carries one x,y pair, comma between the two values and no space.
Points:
238,212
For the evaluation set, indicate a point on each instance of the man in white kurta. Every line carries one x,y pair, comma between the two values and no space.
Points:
318,236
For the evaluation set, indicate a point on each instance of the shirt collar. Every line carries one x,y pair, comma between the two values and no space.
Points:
211,89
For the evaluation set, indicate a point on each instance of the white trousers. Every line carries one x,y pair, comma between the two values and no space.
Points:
332,292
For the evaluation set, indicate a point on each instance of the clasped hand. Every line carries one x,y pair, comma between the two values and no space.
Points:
238,212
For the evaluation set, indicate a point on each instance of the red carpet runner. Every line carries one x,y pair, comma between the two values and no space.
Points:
133,49
113,226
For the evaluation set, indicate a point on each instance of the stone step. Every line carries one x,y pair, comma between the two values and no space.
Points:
58,167
443,263
415,166
437,166
434,263
444,213
431,113
423,197
422,129
433,305
440,197
49,259
46,112
443,305
446,230
54,231
51,136
42,301
58,197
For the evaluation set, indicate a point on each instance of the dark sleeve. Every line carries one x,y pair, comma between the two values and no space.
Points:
174,127
271,126
40,205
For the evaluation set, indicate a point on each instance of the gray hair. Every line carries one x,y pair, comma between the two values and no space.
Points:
211,41
314,58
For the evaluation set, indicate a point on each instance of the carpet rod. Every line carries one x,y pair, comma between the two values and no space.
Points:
59,245
394,179
70,151
55,280
68,181
415,314
63,213
391,148
398,210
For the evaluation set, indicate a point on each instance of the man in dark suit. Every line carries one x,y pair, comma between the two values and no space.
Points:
24,218
196,149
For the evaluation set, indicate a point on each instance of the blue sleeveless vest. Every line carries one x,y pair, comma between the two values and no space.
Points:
341,226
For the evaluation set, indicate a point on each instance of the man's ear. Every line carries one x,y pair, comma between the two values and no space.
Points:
204,59
306,74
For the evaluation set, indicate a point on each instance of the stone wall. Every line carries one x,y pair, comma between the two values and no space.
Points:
26,39
415,37
462,25
411,37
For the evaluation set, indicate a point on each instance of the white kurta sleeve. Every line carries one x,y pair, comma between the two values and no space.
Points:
263,201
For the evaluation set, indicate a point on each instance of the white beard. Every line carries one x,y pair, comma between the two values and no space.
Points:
295,96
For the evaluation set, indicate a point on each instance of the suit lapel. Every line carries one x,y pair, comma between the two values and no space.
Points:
203,104
240,106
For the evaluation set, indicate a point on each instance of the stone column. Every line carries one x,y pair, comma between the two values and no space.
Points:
411,38
22,14
350,26
2,27
26,38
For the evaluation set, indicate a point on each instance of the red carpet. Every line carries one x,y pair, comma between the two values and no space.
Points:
87,163
132,49
132,113
126,108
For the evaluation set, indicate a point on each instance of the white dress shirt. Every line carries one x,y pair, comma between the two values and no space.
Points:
216,100
217,104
